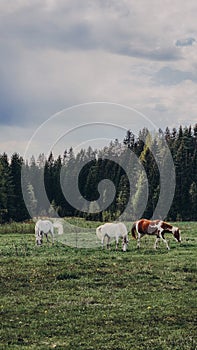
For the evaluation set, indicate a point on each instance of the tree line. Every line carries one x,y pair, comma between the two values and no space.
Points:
130,165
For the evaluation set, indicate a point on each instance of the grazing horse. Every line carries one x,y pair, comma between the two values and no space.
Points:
113,230
44,227
155,227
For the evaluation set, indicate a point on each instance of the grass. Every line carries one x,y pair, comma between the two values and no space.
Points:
63,297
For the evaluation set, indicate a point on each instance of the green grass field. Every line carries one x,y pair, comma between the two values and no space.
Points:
66,297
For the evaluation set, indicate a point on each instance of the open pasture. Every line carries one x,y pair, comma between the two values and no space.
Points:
64,297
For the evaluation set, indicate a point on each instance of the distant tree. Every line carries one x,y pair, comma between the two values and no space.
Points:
121,162
167,134
30,199
6,188
139,197
129,140
49,177
193,201
123,193
41,160
152,172
17,207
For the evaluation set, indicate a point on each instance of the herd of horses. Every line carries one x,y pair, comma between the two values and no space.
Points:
115,230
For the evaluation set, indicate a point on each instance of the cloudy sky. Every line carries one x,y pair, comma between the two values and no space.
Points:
56,54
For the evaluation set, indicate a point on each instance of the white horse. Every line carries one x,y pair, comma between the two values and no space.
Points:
113,230
44,227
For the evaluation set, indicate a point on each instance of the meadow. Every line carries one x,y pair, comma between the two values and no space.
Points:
70,296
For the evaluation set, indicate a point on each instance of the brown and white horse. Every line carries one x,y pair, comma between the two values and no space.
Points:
154,227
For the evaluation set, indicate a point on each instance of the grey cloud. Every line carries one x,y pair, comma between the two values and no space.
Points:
34,36
185,42
161,108
164,54
85,28
169,76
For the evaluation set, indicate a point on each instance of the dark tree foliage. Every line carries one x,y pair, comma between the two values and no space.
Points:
6,189
116,163
17,209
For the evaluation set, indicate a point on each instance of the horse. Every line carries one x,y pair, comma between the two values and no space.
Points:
154,227
113,230
44,227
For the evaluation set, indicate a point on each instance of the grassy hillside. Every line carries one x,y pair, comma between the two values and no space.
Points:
63,297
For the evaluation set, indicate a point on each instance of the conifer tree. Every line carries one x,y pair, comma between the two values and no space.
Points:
18,210
6,188
193,201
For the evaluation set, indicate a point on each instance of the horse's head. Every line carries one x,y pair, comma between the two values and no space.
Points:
176,233
39,238
125,242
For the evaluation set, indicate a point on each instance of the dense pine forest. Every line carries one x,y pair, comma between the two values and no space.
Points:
101,164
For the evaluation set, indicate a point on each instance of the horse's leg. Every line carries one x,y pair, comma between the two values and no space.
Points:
105,236
46,234
124,243
156,241
52,236
116,243
42,237
165,241
138,240
108,242
103,241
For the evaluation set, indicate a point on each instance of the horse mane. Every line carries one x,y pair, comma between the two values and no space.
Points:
166,226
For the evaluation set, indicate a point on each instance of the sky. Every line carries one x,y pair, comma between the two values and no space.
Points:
67,64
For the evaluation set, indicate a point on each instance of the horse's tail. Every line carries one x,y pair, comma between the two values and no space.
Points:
99,232
133,231
36,229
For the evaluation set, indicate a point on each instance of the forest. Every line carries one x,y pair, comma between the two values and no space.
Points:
104,164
